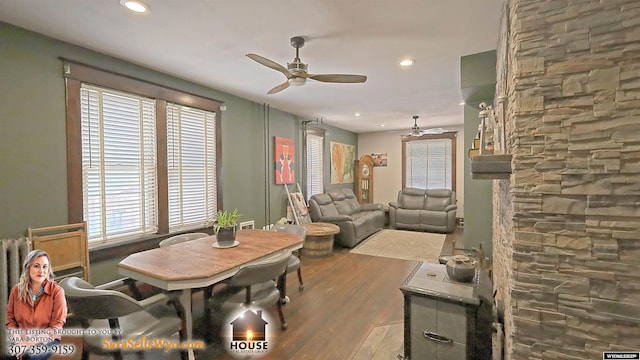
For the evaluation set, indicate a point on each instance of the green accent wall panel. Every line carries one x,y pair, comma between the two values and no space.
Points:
477,83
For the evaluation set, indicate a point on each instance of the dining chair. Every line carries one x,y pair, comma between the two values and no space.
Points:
182,238
253,285
126,318
67,247
294,261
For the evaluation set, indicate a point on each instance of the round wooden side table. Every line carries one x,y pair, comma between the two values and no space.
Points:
319,240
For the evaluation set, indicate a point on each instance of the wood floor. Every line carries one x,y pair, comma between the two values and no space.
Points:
345,297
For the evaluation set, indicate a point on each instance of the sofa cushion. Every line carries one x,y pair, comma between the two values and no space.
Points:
343,207
337,195
412,199
437,200
352,200
326,205
437,218
340,201
322,199
439,193
408,216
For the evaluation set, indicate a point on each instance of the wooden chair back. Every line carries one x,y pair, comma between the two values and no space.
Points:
67,247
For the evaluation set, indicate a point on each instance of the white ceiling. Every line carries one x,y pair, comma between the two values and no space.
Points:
205,41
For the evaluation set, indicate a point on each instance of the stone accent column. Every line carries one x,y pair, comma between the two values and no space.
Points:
567,223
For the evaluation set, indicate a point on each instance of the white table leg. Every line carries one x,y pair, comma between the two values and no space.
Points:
185,301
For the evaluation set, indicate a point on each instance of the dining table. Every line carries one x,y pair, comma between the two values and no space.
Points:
202,262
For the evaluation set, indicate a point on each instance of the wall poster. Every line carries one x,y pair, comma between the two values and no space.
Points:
379,159
342,157
284,161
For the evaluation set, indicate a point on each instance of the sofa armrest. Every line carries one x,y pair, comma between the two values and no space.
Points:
451,207
334,218
370,207
394,204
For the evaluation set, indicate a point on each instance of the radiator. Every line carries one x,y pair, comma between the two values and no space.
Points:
12,254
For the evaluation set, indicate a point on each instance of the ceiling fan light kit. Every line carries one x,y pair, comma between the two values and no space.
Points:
297,81
296,72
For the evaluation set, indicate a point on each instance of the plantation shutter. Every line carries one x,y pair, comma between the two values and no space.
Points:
428,164
315,164
118,164
191,164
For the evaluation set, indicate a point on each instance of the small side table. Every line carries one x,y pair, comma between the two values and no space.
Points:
319,241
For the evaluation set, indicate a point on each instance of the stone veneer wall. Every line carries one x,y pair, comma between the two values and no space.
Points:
567,223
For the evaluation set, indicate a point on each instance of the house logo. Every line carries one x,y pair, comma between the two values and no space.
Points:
248,333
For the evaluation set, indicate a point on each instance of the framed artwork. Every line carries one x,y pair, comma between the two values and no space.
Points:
245,225
379,159
284,161
342,157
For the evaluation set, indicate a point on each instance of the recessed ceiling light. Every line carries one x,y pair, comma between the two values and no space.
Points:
135,5
357,114
381,125
461,103
406,62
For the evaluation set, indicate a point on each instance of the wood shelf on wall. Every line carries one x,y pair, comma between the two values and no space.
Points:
491,166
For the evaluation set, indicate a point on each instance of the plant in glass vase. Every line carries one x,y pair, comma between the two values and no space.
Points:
225,226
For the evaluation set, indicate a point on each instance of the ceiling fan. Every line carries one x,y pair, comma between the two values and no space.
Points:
296,71
415,129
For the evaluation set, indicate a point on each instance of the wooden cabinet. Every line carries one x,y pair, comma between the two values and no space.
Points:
364,179
446,319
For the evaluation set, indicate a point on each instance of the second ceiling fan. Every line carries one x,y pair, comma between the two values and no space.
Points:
415,129
296,71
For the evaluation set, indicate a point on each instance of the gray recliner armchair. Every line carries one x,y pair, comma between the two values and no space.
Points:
424,210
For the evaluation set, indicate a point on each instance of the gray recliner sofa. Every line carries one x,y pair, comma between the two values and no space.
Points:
426,210
341,208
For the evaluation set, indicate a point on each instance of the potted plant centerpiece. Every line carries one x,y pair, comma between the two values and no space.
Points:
225,227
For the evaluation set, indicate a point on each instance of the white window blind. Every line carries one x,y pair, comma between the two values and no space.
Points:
315,164
428,164
191,163
118,164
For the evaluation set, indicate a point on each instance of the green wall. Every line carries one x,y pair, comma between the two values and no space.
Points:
477,82
33,174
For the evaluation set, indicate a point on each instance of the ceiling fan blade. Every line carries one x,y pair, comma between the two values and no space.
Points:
433,131
278,88
338,78
270,64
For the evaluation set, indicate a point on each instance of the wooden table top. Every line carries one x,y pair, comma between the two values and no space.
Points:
198,259
321,229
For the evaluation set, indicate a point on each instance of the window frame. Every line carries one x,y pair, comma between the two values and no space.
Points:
320,133
446,135
181,167
75,74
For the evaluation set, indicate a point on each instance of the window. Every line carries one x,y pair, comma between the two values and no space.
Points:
314,153
191,163
142,159
118,164
429,161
